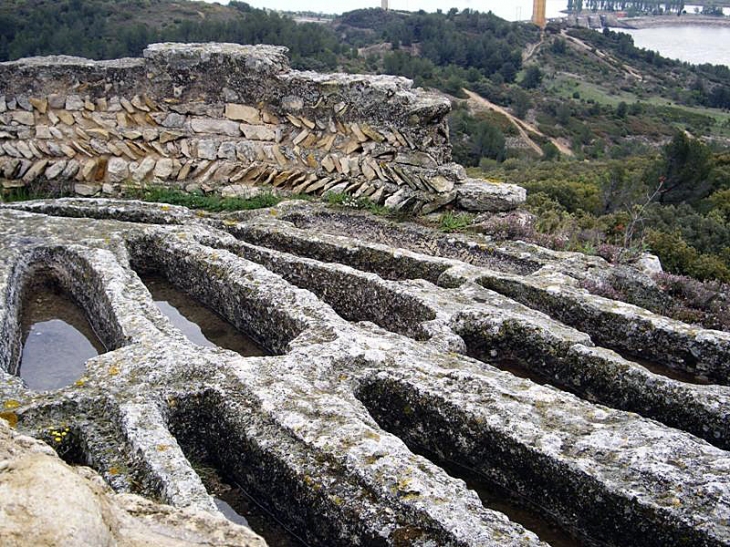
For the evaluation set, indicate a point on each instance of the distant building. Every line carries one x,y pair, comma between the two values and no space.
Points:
384,4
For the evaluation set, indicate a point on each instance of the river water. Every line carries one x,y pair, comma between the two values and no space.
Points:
691,43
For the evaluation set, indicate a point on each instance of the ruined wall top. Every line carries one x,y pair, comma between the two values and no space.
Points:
292,123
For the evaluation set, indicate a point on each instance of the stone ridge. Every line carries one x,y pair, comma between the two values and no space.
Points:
234,120
386,339
46,502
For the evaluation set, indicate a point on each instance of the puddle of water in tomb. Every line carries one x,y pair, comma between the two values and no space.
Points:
499,499
57,338
198,323
239,507
669,372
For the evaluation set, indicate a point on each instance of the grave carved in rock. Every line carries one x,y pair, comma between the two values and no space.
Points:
383,346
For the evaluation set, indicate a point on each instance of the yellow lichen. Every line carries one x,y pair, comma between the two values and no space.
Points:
10,417
10,404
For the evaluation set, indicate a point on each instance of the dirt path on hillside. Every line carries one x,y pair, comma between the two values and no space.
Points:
522,126
610,60
531,49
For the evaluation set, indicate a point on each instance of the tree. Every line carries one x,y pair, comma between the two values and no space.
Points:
532,77
521,103
683,171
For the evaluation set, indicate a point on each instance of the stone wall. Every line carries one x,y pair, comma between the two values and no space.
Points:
230,119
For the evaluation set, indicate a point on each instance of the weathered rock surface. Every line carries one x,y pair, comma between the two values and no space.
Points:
369,136
380,333
47,503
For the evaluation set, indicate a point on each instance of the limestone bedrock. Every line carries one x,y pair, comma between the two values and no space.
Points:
369,323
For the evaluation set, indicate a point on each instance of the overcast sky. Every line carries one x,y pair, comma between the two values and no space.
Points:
508,9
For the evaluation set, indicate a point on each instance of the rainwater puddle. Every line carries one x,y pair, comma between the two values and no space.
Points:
57,337
669,372
199,324
240,508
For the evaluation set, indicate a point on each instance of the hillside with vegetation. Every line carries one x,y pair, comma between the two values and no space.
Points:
618,147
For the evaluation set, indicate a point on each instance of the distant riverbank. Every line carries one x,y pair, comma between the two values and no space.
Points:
671,21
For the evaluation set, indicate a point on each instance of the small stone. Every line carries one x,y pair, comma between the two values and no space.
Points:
258,132
303,134
174,120
483,196
131,135
397,200
227,150
207,149
294,121
24,103
55,169
243,113
308,123
56,101
140,171
268,117
71,169
42,132
441,184
371,133
41,105
24,149
185,171
74,103
88,171
87,190
168,136
35,171
122,120
98,132
163,169
117,170
352,146
150,134
368,171
101,104
139,104
88,105
359,135
292,103
218,127
114,105
438,202
10,150
417,159
66,117
328,163
22,117
126,105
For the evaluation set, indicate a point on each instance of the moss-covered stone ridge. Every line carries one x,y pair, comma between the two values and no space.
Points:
382,345
234,120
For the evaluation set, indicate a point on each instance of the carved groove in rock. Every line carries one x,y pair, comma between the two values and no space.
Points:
362,361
